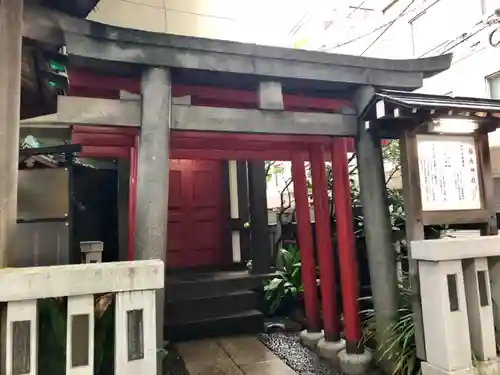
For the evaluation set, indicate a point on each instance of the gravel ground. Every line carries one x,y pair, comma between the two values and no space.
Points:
288,348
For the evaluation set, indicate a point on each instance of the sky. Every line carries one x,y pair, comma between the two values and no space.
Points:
310,24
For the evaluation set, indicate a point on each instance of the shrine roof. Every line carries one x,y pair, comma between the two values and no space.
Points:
118,50
417,100
438,103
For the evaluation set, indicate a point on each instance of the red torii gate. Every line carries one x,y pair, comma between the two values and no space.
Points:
123,143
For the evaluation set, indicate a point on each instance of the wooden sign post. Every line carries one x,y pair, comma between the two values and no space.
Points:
447,180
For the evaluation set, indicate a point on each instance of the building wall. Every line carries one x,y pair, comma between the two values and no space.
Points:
421,28
431,27
437,27
241,21
408,29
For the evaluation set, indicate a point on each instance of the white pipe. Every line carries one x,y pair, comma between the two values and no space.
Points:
234,209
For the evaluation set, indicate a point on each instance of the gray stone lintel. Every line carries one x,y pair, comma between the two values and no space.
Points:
127,113
92,42
455,248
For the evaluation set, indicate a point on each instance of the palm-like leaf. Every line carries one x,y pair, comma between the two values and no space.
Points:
287,284
399,348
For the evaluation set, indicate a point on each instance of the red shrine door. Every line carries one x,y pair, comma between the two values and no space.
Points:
196,214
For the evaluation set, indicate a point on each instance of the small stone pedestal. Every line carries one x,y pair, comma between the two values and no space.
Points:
354,364
91,251
330,349
310,339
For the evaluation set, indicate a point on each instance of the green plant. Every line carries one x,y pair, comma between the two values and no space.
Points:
286,287
52,335
399,348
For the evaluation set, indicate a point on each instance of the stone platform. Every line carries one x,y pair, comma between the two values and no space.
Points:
239,355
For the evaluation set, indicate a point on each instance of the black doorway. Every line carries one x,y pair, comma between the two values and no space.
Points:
95,210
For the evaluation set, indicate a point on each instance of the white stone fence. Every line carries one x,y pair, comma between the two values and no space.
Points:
134,285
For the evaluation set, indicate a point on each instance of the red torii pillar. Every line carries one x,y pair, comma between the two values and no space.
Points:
346,246
331,344
312,334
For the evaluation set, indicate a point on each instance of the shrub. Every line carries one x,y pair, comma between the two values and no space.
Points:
399,348
52,335
286,288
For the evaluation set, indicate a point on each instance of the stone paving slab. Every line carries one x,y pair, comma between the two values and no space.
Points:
274,367
246,350
240,355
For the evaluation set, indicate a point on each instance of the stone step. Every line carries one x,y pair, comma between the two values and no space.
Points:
211,284
251,321
199,308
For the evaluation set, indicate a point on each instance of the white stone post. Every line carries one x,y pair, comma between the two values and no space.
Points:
456,303
444,311
80,335
135,333
479,308
234,208
494,271
21,354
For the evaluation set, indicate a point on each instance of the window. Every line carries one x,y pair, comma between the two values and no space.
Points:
494,86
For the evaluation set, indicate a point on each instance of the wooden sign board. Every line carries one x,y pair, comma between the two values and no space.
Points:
449,173
446,180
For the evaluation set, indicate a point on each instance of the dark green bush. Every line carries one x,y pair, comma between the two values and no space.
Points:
52,336
284,292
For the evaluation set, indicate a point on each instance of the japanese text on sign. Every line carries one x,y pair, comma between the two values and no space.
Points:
449,178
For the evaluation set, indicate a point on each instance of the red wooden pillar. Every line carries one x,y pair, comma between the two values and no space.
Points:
324,245
132,197
305,244
346,246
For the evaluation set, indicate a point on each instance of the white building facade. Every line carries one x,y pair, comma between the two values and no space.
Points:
376,28
463,28
420,28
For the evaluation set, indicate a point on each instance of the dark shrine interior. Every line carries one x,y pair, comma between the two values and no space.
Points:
95,209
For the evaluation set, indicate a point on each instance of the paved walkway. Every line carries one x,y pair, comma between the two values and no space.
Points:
240,355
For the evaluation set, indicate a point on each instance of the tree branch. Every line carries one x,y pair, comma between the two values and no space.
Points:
269,166
349,161
286,189
393,172
283,208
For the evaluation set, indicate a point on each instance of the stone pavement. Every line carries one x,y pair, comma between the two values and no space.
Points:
240,355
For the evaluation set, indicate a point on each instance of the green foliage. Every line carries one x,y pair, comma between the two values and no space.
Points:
399,348
104,336
286,287
52,336
273,168
392,164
